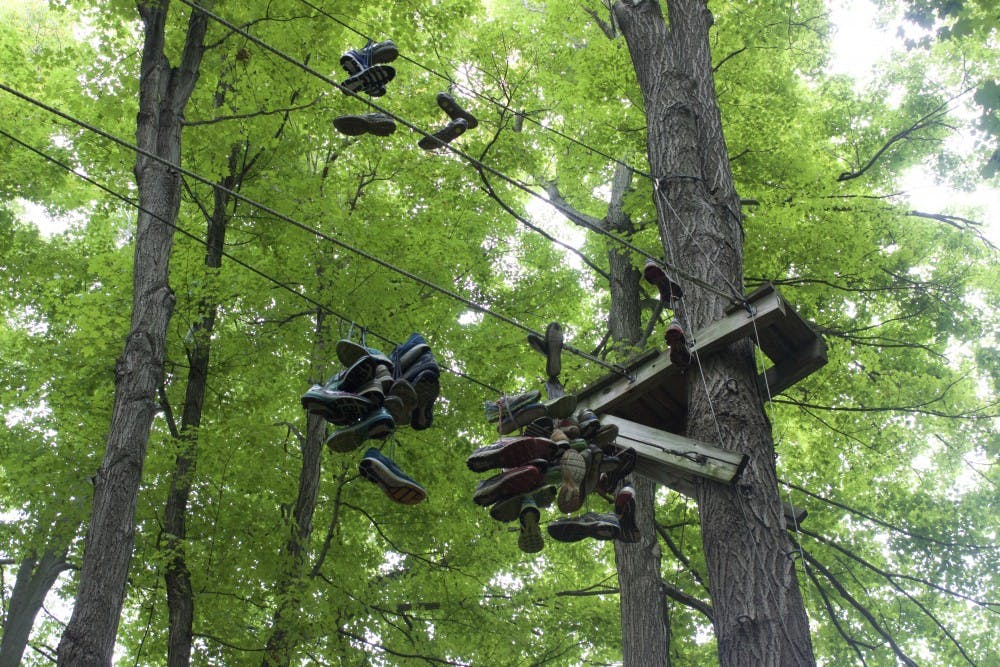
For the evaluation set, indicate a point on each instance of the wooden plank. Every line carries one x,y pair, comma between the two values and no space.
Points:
657,369
676,453
787,372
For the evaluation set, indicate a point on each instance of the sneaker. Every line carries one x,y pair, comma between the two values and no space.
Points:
368,79
427,387
401,401
591,524
337,407
592,456
377,425
356,60
537,343
510,453
401,349
452,108
376,388
561,407
510,508
509,404
553,349
625,511
588,422
445,135
511,421
573,468
359,374
381,470
514,482
349,352
677,342
529,540
543,427
655,275
615,468
370,123
606,435
424,362
412,357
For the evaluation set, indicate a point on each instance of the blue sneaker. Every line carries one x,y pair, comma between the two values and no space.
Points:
414,340
380,469
337,407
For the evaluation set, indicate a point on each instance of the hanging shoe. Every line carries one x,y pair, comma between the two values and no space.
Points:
427,387
376,426
625,508
616,467
591,524
381,470
376,389
414,340
537,343
588,423
369,79
514,482
529,540
561,407
508,404
605,435
349,352
553,349
592,457
510,453
378,124
510,508
356,60
452,108
574,469
511,421
445,135
674,336
401,401
543,427
337,407
654,274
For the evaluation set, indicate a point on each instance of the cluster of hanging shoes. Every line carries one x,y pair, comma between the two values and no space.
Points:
369,73
372,396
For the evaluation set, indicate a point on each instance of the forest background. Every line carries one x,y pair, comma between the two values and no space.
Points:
892,447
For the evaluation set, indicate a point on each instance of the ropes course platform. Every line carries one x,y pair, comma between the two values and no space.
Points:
649,403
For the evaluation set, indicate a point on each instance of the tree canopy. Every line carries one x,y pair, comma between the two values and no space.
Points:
891,447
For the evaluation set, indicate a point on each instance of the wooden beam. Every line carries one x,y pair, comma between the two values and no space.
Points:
675,452
767,306
678,471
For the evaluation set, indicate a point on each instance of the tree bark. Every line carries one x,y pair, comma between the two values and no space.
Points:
163,93
759,616
177,578
35,577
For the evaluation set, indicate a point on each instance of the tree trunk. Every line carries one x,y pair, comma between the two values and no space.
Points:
89,637
282,641
177,578
35,577
759,615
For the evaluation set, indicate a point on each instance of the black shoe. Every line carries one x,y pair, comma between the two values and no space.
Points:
445,135
591,524
452,108
369,123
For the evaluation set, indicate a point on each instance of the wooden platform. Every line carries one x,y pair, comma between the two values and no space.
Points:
654,393
649,404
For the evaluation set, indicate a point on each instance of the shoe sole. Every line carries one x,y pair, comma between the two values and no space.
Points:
553,345
452,108
508,485
530,538
341,410
517,452
399,489
593,475
354,126
509,509
427,387
349,439
574,530
445,135
369,79
574,468
562,407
